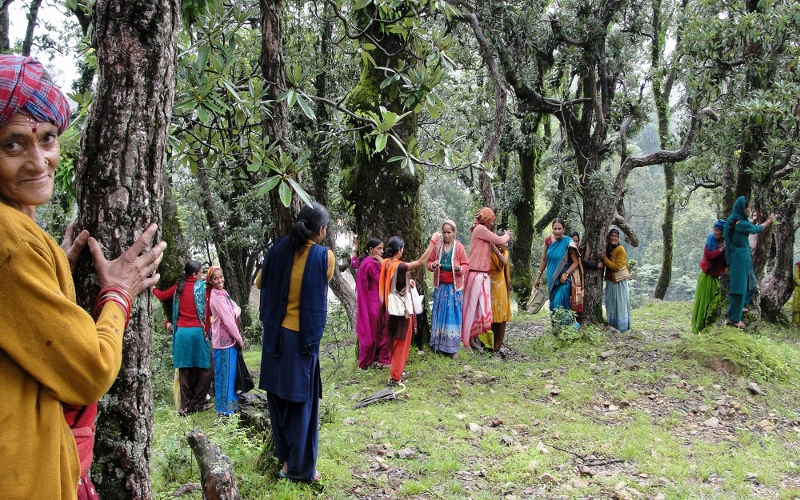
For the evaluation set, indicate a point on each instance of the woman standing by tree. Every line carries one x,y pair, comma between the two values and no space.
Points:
477,311
372,347
221,320
191,349
617,293
501,294
559,259
712,265
737,244
449,265
293,311
399,329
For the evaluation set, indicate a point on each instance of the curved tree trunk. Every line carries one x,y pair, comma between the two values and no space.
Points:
119,172
33,15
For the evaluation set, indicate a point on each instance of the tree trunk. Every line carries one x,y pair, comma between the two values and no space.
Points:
273,69
320,169
216,471
384,195
520,254
5,42
119,173
33,15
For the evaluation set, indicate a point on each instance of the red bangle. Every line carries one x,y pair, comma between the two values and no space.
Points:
99,307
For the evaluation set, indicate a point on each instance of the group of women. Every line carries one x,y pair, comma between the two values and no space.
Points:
563,265
729,246
205,339
467,290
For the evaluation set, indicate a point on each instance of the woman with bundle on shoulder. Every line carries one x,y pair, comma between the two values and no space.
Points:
222,320
293,311
399,329
738,229
191,346
449,265
617,294
373,349
56,360
712,265
477,312
559,259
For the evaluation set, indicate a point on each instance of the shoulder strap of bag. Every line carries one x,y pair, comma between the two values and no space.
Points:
560,268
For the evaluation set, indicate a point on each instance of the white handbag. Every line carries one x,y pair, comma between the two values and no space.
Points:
399,303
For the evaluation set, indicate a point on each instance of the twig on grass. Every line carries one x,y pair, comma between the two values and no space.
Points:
591,462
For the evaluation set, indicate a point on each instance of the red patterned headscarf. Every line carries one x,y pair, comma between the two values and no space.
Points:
25,89
484,216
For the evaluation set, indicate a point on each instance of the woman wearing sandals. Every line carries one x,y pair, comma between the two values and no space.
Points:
398,329
293,311
449,265
477,312
740,261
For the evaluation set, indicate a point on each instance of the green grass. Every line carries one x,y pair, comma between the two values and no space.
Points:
662,445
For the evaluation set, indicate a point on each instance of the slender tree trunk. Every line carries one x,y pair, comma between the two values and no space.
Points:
275,126
119,172
321,168
5,42
520,254
33,15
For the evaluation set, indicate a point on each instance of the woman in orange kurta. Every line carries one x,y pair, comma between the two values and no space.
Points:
399,329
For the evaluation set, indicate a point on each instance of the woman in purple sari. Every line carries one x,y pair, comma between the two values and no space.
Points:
372,347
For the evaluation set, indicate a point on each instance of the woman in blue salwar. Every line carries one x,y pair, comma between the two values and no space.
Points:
559,259
740,261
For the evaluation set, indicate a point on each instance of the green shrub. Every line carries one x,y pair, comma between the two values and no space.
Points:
739,353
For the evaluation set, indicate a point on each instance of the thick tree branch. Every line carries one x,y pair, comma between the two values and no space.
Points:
623,225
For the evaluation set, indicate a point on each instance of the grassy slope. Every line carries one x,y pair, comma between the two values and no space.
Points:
637,424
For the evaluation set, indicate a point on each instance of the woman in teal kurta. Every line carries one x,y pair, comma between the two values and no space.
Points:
740,261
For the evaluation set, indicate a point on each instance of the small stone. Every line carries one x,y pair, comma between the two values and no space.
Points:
496,422
700,389
477,429
755,389
606,403
701,409
461,416
663,482
712,422
547,479
554,392
548,386
681,384
606,354
528,374
349,421
406,453
613,408
580,483
546,373
466,368
541,448
535,421
506,440
480,378
624,403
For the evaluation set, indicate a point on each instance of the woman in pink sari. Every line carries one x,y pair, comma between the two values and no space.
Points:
477,315
372,347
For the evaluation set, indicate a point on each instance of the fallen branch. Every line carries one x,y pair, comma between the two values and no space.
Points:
216,471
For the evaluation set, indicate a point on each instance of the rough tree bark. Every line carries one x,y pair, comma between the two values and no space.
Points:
5,42
384,196
119,172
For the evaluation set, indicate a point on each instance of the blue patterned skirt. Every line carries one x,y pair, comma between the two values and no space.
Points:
225,361
446,319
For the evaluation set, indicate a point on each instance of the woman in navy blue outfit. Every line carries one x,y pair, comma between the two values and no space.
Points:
293,310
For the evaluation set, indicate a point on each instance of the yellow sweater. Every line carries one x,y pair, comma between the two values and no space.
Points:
51,352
